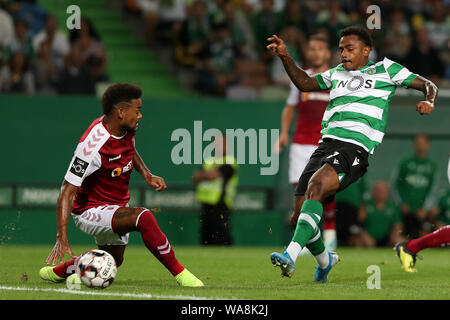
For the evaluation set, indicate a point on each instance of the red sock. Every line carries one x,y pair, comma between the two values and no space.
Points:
156,241
439,238
329,211
65,269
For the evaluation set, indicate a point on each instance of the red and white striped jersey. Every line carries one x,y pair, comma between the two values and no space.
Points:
101,168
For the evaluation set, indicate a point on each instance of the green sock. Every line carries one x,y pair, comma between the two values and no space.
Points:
308,221
317,246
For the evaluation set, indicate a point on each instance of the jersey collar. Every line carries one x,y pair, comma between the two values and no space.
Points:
340,67
115,137
370,63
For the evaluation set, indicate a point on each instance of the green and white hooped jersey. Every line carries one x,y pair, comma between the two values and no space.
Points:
359,101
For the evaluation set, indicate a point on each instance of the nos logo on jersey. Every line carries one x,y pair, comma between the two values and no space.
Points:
78,167
355,83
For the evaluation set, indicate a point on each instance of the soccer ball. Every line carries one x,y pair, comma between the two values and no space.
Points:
97,269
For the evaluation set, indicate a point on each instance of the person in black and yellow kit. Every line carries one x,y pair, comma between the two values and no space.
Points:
216,186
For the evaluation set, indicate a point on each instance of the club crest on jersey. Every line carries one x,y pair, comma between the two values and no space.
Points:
369,71
118,171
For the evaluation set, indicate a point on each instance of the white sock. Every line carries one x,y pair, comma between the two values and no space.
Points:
323,259
330,239
304,252
293,249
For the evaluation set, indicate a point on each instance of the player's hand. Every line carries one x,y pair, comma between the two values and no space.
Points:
277,46
58,252
157,182
282,142
424,107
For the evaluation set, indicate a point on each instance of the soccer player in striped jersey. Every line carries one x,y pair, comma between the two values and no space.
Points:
310,108
353,125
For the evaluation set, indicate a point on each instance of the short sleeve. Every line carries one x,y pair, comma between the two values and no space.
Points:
86,158
324,80
81,167
293,95
399,75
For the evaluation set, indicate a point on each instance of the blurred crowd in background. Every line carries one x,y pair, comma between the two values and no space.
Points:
38,58
224,40
220,43
406,207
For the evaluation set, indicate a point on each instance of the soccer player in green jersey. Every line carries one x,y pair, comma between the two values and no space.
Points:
380,218
414,184
353,126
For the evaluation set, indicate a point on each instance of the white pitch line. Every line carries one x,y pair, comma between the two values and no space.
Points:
113,294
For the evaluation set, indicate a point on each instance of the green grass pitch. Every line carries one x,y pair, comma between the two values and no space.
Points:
234,273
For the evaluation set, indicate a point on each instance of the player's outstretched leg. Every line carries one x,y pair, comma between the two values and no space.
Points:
143,221
407,258
322,184
307,226
329,229
307,235
407,251
325,259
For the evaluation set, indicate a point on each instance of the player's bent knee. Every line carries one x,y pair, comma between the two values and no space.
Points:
322,184
315,189
125,219
139,213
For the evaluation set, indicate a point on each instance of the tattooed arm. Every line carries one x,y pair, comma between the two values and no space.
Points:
429,90
298,76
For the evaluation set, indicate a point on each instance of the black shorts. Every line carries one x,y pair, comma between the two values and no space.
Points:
349,160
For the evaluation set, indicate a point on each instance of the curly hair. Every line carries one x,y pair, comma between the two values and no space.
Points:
117,93
359,31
